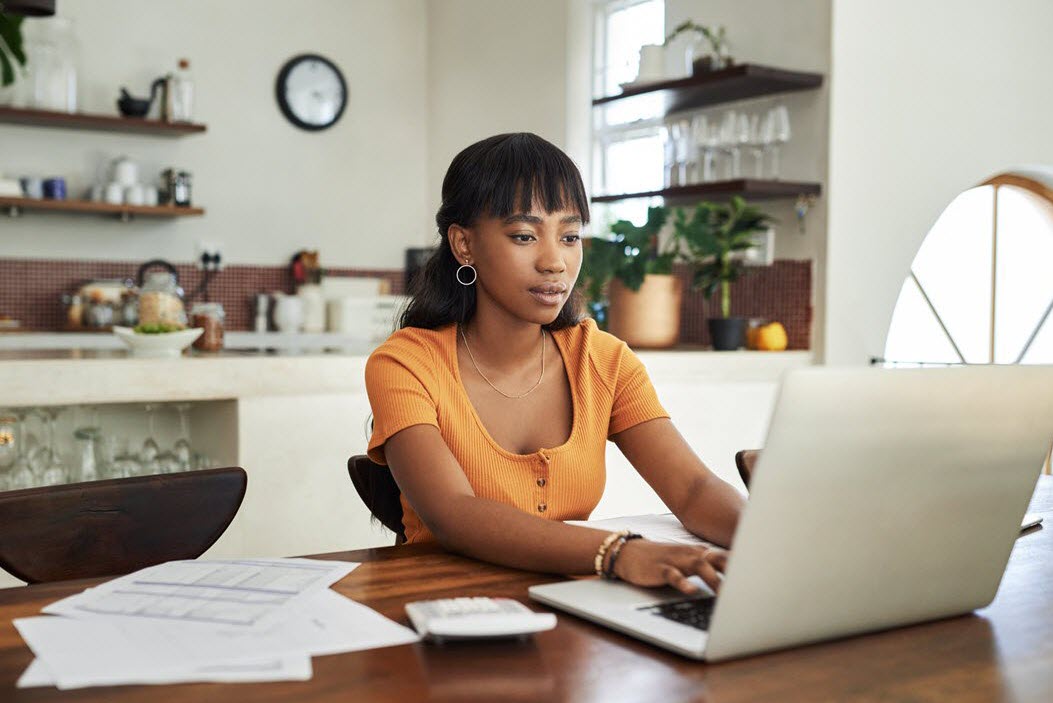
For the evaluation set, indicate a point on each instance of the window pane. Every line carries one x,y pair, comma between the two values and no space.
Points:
634,165
915,334
1025,283
626,31
953,265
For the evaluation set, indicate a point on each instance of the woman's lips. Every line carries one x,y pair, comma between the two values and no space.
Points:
548,295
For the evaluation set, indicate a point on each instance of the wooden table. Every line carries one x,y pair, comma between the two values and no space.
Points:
1002,653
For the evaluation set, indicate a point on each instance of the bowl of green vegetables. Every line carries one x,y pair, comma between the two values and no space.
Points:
157,340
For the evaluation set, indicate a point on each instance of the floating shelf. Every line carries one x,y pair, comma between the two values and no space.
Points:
98,123
15,206
749,188
715,87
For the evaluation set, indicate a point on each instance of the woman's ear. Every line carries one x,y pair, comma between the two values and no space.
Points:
460,245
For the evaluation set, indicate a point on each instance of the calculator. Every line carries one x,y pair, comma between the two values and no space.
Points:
476,618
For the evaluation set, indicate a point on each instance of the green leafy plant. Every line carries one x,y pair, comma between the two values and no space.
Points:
713,233
628,254
11,47
717,38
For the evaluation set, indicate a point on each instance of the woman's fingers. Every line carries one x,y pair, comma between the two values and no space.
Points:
675,578
718,558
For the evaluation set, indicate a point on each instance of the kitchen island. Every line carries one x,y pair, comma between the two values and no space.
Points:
293,420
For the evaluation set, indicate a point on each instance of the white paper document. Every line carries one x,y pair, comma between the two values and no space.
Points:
219,592
114,639
656,527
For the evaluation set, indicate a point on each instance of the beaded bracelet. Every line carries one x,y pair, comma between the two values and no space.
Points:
602,551
615,550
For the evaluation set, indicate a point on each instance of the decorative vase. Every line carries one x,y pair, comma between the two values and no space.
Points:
727,333
647,318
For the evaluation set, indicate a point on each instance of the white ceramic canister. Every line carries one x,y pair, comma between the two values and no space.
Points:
288,312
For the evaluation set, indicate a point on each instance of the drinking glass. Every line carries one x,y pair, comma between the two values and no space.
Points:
21,474
756,143
183,452
742,139
148,454
55,473
780,134
730,144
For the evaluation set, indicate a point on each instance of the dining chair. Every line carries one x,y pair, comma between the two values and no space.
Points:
116,526
744,461
378,490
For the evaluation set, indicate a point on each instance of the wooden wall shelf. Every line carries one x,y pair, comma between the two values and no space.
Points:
738,82
98,123
15,207
749,188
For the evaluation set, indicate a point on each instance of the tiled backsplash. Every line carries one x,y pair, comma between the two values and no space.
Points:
31,291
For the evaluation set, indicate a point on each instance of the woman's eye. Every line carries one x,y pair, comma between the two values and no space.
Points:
522,237
572,238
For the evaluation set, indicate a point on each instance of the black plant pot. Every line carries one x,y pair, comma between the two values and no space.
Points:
728,333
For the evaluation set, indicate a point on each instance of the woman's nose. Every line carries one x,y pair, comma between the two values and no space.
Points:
550,258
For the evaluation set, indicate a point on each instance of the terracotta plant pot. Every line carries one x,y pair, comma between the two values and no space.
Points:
647,318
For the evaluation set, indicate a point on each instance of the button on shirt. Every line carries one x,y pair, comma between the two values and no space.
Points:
413,378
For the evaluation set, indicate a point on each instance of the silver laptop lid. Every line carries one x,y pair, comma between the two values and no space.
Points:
882,497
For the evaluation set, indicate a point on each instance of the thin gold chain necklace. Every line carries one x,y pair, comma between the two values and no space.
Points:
521,395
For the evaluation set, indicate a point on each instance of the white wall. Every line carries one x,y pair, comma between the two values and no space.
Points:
494,66
357,190
928,98
792,35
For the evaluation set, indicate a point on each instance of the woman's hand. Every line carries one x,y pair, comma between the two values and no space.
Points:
645,563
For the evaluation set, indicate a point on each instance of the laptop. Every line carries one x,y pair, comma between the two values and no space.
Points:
883,497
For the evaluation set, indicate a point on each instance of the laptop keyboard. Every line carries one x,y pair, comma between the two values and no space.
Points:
693,613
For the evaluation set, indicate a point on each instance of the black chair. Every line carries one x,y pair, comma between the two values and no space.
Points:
113,527
378,490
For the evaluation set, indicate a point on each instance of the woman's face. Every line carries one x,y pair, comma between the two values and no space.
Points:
527,263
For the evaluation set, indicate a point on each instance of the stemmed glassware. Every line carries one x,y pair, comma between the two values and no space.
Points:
780,134
148,455
21,474
54,472
184,454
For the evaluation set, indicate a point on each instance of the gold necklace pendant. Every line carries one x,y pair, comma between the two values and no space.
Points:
480,372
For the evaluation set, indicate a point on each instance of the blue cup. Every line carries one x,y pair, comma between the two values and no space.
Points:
55,188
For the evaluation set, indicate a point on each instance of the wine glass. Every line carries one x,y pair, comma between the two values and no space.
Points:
183,452
21,474
730,143
757,145
742,138
780,134
55,472
148,454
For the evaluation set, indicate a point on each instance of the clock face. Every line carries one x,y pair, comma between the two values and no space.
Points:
311,92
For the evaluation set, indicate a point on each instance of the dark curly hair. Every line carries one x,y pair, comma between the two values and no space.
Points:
496,177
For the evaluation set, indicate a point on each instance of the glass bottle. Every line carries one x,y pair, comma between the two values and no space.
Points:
182,87
209,317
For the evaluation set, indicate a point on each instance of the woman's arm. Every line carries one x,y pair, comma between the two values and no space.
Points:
708,506
435,485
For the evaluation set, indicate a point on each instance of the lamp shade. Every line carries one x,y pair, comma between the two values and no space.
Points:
29,8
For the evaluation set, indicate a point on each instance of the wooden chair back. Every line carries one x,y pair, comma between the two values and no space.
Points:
117,526
378,490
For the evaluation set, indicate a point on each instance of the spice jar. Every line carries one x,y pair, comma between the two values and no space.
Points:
209,317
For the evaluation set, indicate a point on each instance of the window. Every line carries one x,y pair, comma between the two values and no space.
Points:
627,144
980,289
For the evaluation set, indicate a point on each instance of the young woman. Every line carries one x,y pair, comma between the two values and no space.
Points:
494,400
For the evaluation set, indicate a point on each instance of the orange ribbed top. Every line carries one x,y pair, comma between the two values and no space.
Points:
413,378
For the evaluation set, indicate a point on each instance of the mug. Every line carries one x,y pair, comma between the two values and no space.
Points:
134,195
125,171
114,193
55,188
150,196
32,187
288,312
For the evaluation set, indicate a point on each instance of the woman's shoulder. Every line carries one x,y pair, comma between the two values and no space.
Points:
603,349
413,345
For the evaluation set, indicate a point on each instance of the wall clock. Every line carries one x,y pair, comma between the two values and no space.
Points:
311,92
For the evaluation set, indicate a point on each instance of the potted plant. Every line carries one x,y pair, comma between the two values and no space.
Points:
11,47
629,282
695,60
712,237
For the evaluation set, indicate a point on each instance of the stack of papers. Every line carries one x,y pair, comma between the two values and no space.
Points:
203,620
656,527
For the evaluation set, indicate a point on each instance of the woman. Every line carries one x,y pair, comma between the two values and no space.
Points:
494,400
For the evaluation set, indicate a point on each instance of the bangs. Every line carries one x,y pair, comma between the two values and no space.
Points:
519,171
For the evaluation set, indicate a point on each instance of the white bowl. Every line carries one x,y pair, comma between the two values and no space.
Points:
164,344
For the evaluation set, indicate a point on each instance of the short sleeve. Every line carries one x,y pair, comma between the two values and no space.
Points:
635,399
398,384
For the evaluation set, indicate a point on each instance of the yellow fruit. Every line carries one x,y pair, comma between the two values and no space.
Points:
770,337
